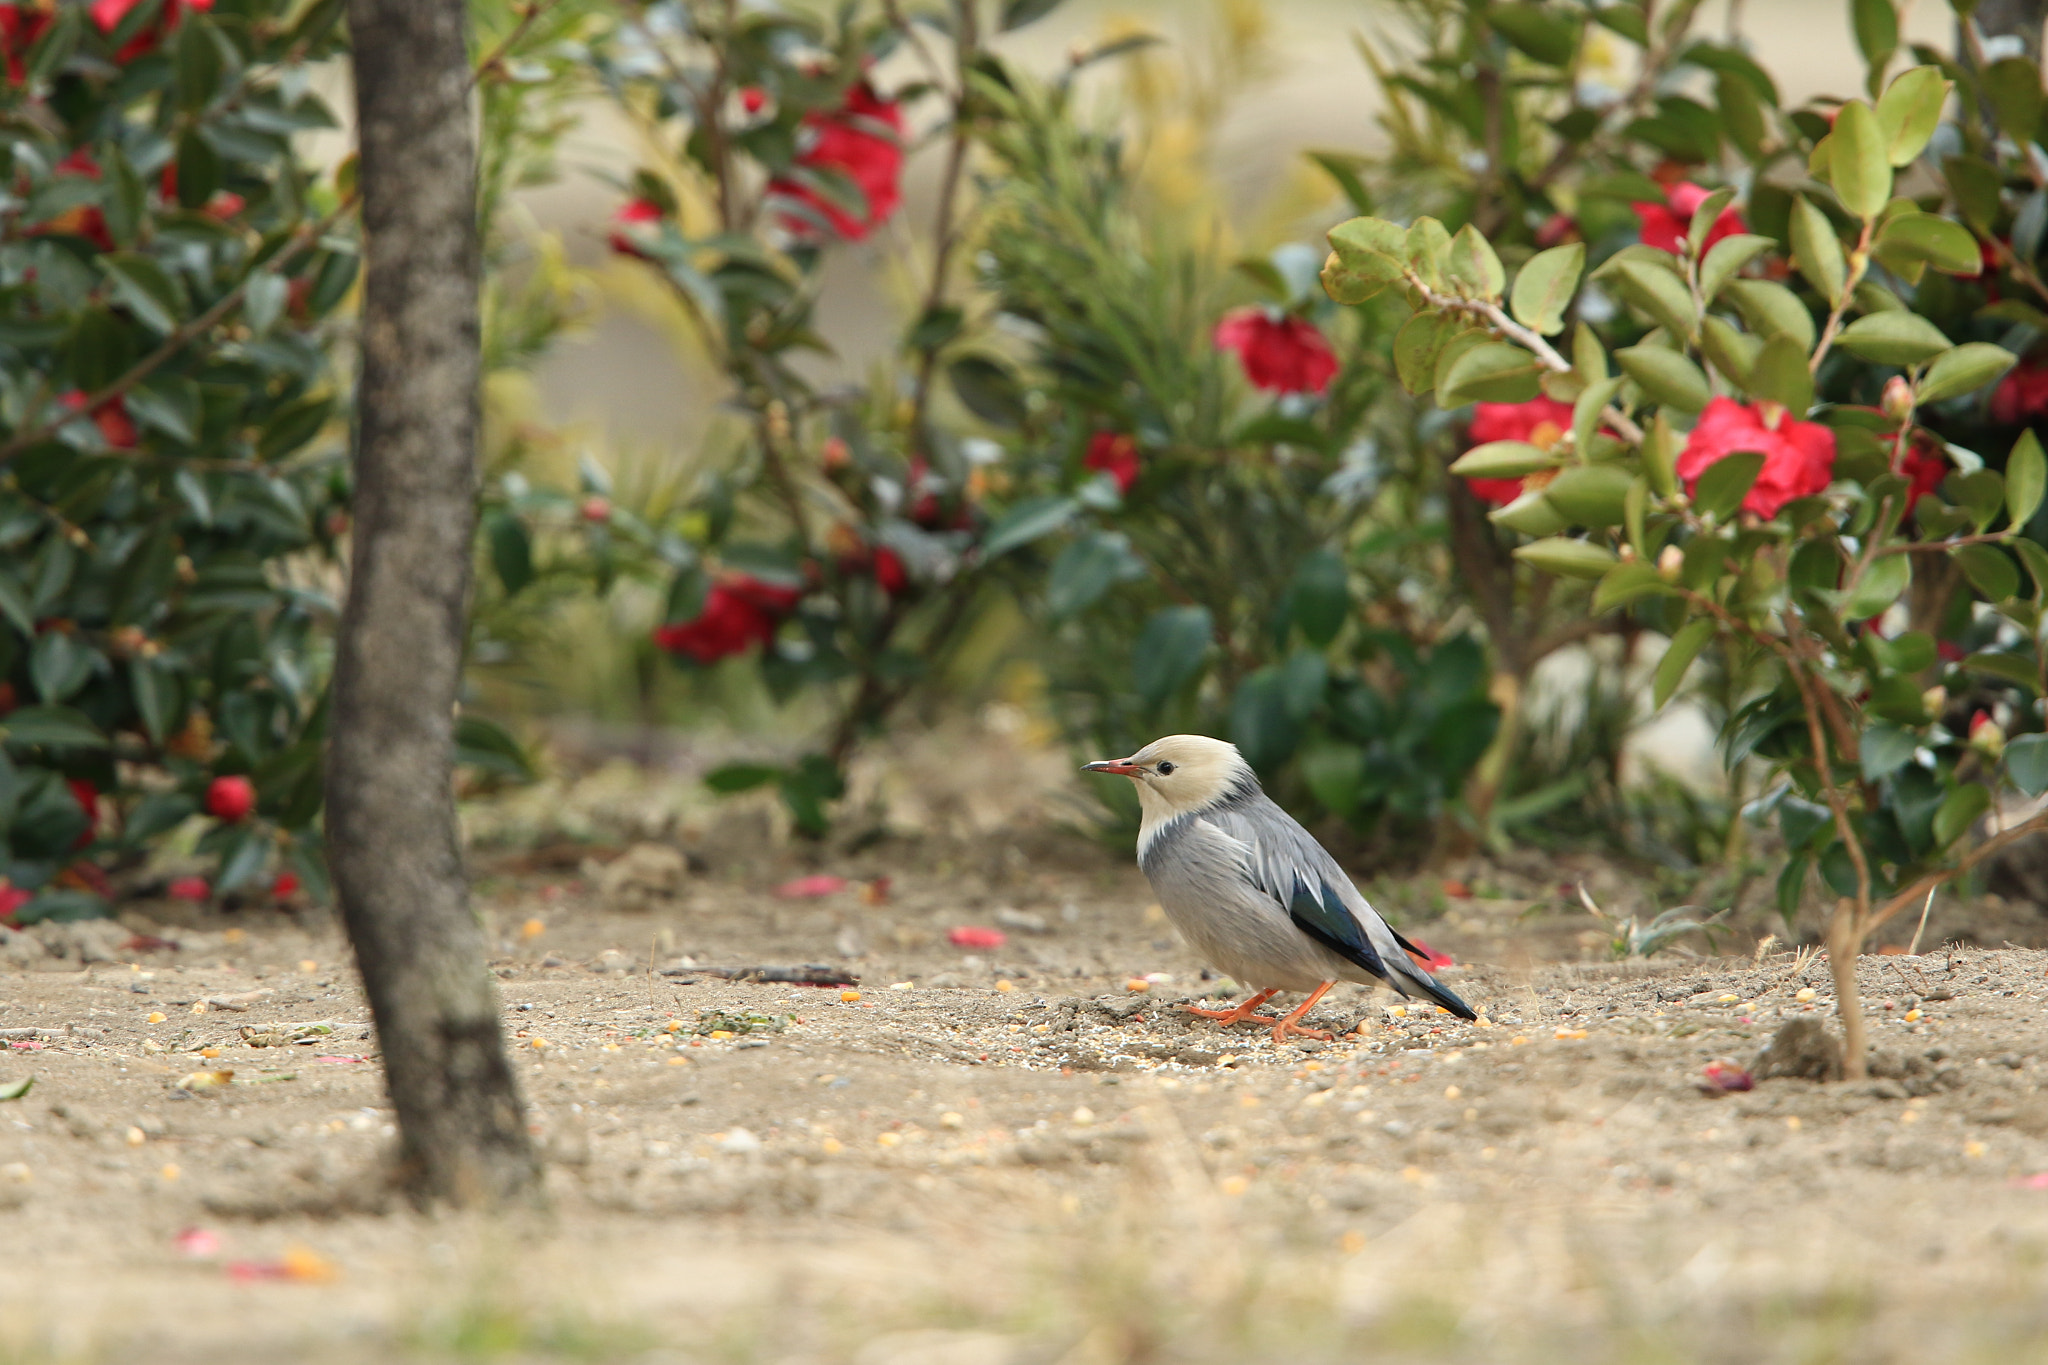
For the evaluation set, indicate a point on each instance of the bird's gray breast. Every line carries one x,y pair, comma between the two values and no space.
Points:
1202,876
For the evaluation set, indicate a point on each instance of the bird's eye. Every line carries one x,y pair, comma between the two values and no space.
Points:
1164,770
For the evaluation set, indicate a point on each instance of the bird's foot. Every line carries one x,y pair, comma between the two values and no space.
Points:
1248,1010
1236,1016
1283,1028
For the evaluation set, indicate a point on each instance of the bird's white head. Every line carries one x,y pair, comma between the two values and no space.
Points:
1180,774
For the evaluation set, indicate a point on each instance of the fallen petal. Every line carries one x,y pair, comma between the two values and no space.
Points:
802,887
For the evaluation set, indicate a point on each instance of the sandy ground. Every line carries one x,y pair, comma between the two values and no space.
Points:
1009,1156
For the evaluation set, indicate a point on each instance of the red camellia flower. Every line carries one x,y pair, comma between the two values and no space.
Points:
1281,355
633,215
20,26
1799,457
224,204
861,140
597,510
189,889
2022,395
1540,422
12,898
1925,466
230,798
117,428
889,571
1665,225
108,14
286,886
739,612
1116,455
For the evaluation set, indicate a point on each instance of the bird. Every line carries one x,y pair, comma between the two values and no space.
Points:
1252,892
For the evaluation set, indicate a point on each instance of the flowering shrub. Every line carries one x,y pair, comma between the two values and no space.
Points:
851,537
1756,452
166,424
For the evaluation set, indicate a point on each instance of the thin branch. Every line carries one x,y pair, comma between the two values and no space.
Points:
1859,262
1904,900
1624,426
1928,547
494,63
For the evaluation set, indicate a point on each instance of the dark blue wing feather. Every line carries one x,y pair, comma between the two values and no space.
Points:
1319,911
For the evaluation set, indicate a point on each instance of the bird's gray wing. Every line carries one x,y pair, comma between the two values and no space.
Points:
1288,864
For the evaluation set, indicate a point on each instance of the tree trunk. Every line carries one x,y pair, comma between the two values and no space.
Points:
390,802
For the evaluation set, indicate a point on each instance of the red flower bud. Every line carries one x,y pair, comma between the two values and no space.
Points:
632,220
1116,455
597,509
230,798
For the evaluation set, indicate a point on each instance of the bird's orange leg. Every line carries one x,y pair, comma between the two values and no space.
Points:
1288,1025
1246,1011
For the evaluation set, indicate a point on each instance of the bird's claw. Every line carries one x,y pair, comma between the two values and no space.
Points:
1283,1027
1236,1016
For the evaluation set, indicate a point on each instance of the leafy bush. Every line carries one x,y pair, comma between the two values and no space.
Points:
1243,556
171,493
1719,478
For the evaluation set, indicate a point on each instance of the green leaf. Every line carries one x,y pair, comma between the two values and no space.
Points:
2026,478
1773,310
1732,353
1170,652
293,424
1990,570
1666,376
1368,254
1320,596
1860,167
1546,286
144,289
1429,251
1492,372
1661,294
1335,774
1473,265
1660,455
1531,514
2036,560
1029,520
1537,30
1900,339
58,727
481,743
1261,724
1589,407
1416,348
263,302
1087,568
1566,557
1818,254
1967,368
1624,583
1018,13
1502,460
511,550
15,1090
2013,86
1780,375
1941,242
1910,110
740,777
1725,260
988,389
2014,668
1590,495
2026,763
154,690
1964,806
1725,483
14,605
1877,29
1884,749
1684,648
1882,584
59,665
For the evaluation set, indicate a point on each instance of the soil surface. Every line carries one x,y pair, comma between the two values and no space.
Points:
1013,1154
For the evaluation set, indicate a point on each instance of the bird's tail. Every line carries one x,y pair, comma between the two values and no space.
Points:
1411,980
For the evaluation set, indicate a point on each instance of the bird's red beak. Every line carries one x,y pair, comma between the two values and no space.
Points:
1122,767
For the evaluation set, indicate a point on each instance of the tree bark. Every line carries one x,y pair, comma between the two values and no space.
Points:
390,802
